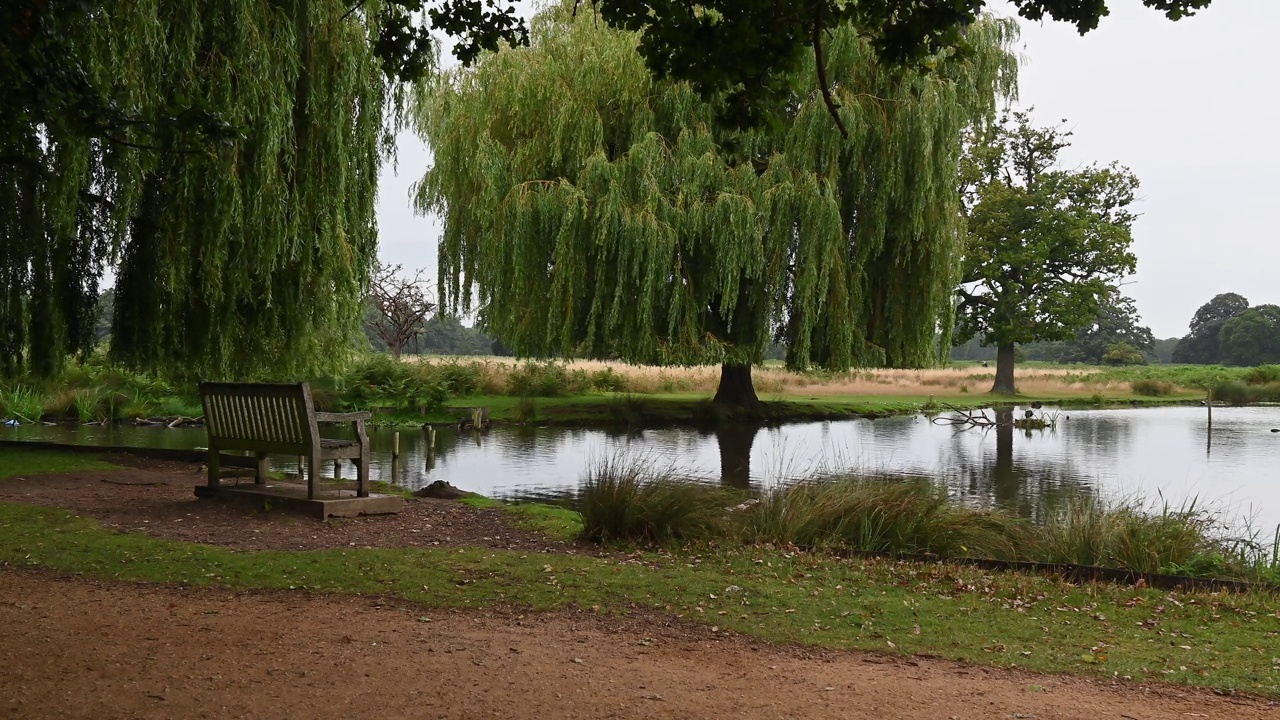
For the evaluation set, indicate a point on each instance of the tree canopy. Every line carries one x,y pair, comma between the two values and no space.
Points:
746,53
1252,337
1201,345
235,251
591,210
1045,247
222,157
1117,323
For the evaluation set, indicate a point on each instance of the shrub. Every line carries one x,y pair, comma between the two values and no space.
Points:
546,379
1151,388
628,409
1122,353
623,500
1232,392
1267,393
379,380
1262,375
607,380
60,406
456,378
526,410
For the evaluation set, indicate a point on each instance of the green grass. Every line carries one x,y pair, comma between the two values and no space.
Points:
550,520
23,462
1223,640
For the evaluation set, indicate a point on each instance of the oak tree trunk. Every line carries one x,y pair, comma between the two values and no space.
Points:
1007,483
1004,370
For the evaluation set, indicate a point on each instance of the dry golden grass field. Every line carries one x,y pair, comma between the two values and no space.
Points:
776,381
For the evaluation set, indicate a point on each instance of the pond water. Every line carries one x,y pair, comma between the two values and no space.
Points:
1155,453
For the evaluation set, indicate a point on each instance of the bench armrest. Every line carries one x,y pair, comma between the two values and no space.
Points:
328,417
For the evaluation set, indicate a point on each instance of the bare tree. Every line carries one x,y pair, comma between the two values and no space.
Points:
402,305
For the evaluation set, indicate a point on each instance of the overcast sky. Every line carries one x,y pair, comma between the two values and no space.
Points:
1191,107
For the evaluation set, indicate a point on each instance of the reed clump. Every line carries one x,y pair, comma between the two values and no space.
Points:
1087,531
894,515
624,500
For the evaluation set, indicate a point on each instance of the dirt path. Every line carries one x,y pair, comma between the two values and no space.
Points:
73,648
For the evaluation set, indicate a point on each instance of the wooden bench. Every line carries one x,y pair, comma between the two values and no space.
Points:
278,419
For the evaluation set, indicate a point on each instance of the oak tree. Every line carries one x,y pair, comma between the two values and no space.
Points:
1252,337
1201,346
1117,323
1045,245
746,53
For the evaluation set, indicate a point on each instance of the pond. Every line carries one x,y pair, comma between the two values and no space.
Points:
1156,453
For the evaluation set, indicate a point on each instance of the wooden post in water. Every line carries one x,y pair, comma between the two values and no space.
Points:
431,446
1208,441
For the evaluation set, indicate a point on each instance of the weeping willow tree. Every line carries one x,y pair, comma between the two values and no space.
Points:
591,210
236,254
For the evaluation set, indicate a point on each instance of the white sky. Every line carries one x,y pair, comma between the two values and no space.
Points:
1191,107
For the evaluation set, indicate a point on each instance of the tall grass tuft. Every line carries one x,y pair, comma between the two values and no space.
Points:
21,403
1089,531
910,515
624,500
526,410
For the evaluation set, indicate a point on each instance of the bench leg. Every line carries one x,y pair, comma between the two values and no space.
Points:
215,469
313,477
362,475
264,471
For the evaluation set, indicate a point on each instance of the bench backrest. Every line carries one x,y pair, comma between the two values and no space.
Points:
269,417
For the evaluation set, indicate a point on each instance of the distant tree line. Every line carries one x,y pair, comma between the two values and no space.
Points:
1225,330
1115,337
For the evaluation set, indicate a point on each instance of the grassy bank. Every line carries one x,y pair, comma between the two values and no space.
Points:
419,390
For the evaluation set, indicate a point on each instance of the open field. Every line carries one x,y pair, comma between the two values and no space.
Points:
776,382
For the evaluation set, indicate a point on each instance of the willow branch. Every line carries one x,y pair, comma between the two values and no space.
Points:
832,108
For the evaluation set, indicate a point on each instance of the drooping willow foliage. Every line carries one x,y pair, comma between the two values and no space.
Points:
236,256
591,210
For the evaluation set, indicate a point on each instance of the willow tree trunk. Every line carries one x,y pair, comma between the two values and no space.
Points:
44,358
735,441
736,388
1004,370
